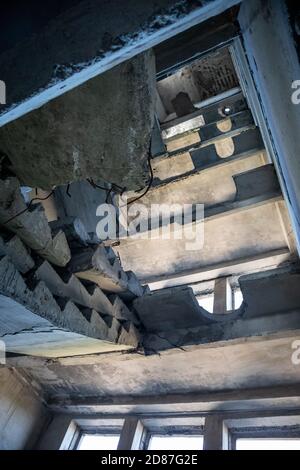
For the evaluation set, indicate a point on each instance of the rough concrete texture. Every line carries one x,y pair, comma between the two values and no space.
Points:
100,265
22,414
26,333
121,311
60,312
31,225
15,249
100,130
71,287
91,296
200,379
169,309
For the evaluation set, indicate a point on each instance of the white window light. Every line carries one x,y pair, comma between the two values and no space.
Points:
98,442
175,442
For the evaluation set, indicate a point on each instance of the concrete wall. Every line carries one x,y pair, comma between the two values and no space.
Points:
22,415
274,63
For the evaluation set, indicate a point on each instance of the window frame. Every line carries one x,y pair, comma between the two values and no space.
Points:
264,432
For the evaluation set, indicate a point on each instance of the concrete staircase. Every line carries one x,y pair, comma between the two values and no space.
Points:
69,290
216,157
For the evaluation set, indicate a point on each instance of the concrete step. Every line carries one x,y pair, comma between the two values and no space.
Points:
61,312
31,226
66,285
28,334
69,286
211,133
101,266
204,116
222,152
13,247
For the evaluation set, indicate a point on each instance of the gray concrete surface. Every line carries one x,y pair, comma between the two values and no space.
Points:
84,133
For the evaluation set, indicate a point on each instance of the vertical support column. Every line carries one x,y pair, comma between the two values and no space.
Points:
131,434
215,433
220,295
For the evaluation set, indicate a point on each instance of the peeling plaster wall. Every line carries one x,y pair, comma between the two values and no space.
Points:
22,415
274,63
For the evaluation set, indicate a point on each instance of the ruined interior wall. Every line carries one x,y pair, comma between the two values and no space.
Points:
22,415
272,56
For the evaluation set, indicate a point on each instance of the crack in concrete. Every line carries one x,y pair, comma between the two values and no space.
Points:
33,330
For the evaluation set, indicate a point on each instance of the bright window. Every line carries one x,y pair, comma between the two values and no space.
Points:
159,442
98,442
267,444
238,298
207,302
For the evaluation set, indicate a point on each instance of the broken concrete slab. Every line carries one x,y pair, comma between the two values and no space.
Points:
274,307
87,132
31,225
169,309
